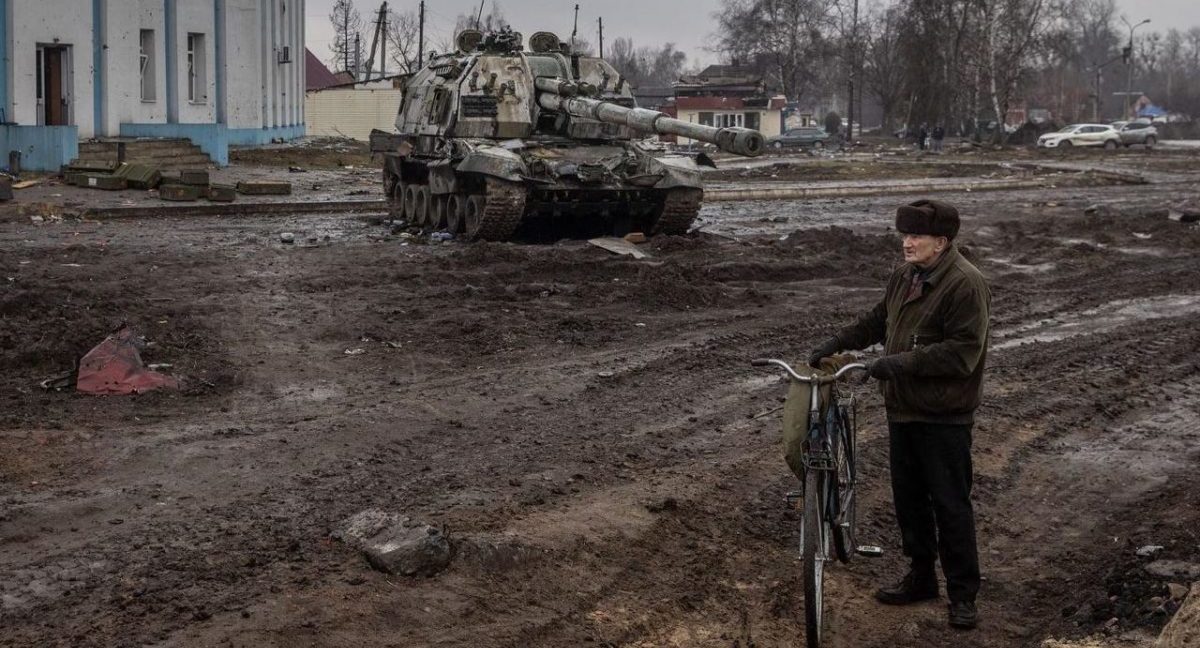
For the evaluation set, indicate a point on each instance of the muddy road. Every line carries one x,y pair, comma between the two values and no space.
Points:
585,427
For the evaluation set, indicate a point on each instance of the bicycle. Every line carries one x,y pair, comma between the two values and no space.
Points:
829,499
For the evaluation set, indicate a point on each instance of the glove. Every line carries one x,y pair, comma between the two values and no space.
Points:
885,368
827,348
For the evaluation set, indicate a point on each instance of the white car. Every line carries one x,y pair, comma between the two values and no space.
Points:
1082,135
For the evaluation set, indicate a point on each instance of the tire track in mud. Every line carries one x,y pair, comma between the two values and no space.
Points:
673,421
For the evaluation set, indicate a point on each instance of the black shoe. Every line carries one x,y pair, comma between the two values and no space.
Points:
963,615
915,587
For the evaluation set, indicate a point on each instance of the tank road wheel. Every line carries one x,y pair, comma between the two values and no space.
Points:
437,212
410,204
494,216
396,201
679,209
456,213
421,207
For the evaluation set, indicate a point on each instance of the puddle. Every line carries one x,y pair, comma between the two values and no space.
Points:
1096,320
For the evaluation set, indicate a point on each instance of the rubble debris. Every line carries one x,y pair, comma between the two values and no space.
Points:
1174,569
222,193
179,192
265,188
635,237
115,367
1149,550
195,177
394,544
287,237
25,184
619,246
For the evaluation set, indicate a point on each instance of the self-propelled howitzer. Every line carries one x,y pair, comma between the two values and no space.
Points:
493,139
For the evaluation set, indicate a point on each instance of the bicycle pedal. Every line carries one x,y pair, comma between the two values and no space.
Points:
869,551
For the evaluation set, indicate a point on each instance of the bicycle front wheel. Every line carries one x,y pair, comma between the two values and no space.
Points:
842,489
815,542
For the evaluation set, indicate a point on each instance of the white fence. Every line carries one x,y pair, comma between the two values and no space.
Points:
351,112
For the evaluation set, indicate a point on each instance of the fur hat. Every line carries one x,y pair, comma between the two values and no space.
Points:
928,217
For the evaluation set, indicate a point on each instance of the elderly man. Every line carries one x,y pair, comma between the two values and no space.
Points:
933,323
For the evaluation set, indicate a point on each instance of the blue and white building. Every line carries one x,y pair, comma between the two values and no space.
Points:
217,72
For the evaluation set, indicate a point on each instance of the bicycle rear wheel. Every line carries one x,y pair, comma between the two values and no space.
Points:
842,488
814,546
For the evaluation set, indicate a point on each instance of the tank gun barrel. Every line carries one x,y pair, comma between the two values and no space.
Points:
558,95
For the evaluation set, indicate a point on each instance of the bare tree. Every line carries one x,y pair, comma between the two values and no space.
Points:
1011,29
785,39
403,40
646,66
346,26
883,71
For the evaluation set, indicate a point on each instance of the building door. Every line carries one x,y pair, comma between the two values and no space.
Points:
54,85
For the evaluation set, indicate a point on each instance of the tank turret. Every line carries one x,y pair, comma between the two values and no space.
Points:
494,139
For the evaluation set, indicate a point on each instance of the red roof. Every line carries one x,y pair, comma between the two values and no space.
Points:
317,76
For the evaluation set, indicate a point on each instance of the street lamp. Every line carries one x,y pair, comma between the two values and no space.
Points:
1129,61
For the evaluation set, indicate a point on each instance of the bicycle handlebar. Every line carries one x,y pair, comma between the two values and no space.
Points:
764,362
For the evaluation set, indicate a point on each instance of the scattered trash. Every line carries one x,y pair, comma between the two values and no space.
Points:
296,169
394,345
619,246
1141,235
635,237
604,374
287,237
115,367
1149,550
354,352
441,237
25,184
59,382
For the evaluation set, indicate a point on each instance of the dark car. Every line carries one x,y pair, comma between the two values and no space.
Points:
805,137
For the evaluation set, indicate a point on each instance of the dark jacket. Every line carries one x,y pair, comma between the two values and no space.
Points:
940,337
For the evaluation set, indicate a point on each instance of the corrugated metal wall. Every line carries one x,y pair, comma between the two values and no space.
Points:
351,112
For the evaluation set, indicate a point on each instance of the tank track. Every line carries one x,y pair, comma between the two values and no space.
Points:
503,210
680,209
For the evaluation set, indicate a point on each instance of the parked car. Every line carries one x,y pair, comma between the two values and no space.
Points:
1081,135
805,136
1138,132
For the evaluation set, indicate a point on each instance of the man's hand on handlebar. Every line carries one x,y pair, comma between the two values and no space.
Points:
827,348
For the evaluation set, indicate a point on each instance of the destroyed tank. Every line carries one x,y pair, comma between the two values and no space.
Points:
494,140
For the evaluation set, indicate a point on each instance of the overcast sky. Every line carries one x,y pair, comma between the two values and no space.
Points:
687,23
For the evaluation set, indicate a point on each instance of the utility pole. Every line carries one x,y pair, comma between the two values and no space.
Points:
575,29
357,57
853,49
383,44
1129,63
601,21
421,36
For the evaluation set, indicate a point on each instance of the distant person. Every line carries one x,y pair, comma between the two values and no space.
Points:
939,134
933,321
922,135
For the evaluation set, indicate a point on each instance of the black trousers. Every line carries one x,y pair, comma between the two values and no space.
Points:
931,486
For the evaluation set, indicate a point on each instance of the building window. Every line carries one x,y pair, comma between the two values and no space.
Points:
729,120
753,120
706,119
197,74
146,64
